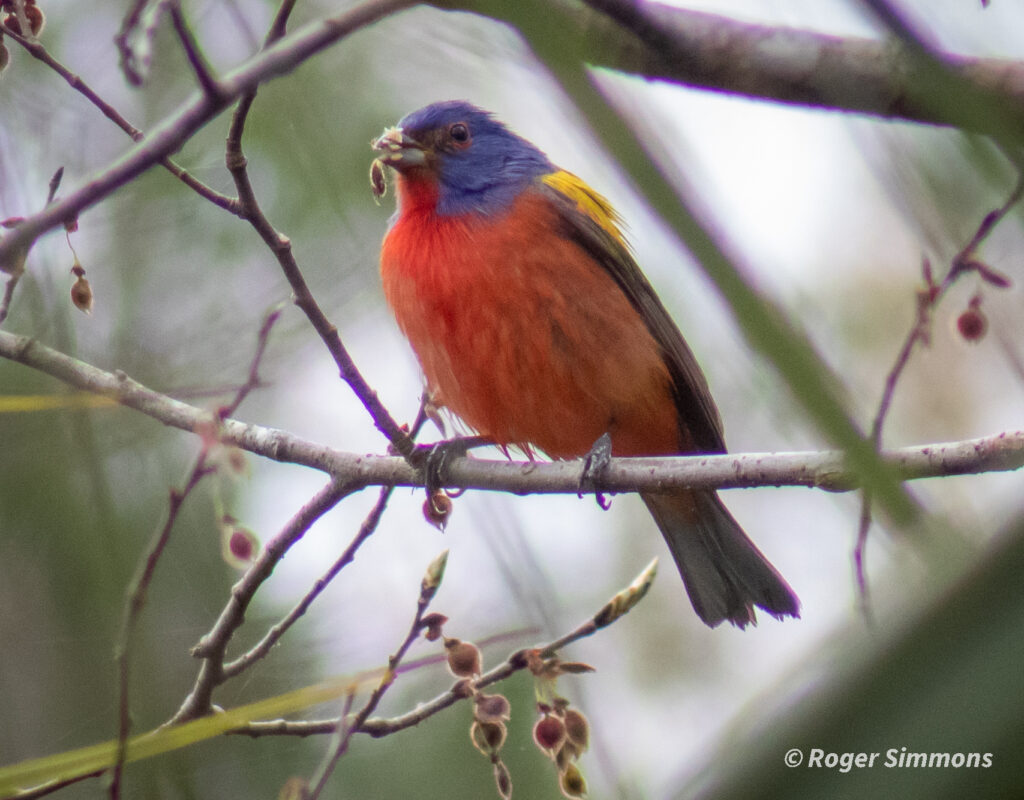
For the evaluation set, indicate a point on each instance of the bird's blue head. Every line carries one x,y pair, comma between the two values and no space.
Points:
477,163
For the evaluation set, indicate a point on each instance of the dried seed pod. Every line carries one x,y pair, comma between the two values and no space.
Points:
378,182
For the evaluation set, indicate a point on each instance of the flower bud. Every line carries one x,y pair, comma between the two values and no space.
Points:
972,324
432,624
239,545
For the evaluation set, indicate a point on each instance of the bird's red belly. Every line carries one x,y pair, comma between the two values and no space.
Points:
524,337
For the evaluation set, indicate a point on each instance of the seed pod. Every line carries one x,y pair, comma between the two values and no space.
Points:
464,659
378,183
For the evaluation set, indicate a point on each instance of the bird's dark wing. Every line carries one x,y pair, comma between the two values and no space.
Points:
590,221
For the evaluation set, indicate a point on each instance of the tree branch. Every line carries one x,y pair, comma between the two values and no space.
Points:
791,66
274,635
171,135
823,469
620,605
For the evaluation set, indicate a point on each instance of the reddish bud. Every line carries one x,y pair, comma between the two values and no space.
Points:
464,659
34,15
239,545
549,733
972,324
437,508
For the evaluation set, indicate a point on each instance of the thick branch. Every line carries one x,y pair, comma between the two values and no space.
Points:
1004,451
788,65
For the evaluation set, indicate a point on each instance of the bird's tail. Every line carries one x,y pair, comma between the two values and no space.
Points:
724,573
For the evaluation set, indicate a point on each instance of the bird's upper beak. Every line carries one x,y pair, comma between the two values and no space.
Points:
399,150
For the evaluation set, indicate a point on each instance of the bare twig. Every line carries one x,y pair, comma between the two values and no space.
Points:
133,608
5,302
272,636
130,60
212,647
788,65
346,729
169,136
139,588
280,246
252,380
40,53
196,59
822,469
928,299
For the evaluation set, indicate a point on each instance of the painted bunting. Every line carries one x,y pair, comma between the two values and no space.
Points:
533,323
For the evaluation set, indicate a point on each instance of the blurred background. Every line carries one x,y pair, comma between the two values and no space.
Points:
830,213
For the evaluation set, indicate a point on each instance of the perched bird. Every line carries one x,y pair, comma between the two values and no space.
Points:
533,324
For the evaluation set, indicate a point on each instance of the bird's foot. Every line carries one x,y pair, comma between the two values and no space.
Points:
594,464
433,459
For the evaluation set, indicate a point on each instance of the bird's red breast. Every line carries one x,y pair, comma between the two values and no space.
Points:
520,333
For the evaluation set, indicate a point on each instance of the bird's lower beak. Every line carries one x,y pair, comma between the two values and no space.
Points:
399,150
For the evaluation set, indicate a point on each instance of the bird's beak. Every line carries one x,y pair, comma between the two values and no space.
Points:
399,150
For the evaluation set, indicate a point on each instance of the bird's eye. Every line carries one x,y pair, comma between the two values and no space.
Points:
459,133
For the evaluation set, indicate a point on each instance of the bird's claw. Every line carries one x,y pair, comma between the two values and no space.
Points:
433,459
594,464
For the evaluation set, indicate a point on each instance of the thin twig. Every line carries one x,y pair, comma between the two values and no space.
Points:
136,600
5,301
252,380
196,59
927,300
139,589
280,246
169,136
212,647
275,633
40,53
346,729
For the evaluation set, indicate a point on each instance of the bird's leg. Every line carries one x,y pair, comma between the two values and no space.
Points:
594,464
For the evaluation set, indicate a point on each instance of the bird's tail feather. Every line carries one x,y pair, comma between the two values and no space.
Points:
724,573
